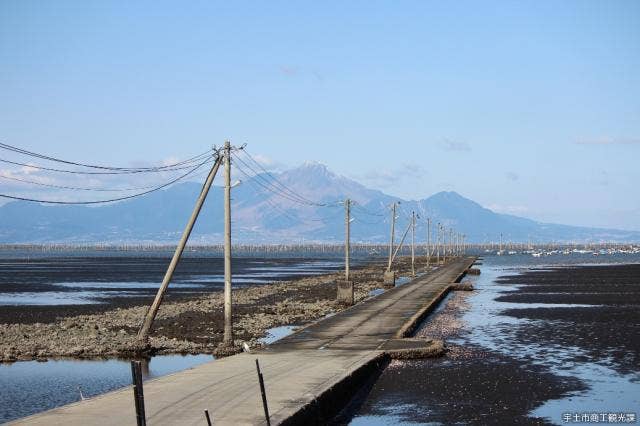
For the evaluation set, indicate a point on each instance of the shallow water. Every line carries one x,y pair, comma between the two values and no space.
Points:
89,279
30,387
608,390
276,333
476,327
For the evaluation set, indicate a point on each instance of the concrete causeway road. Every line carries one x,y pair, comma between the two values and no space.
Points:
317,367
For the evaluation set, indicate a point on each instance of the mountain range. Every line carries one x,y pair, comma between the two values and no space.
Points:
298,205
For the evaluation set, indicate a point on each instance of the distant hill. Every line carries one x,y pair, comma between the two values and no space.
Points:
262,216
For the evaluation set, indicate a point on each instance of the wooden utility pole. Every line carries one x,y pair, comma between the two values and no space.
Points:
143,334
438,243
347,223
413,243
393,228
228,319
444,245
345,287
428,241
455,244
389,277
451,254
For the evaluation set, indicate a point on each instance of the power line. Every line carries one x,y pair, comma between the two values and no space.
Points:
283,187
268,186
254,184
379,222
75,188
194,169
79,172
292,196
365,210
22,151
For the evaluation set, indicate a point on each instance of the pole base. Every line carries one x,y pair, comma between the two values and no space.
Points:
345,292
389,279
224,350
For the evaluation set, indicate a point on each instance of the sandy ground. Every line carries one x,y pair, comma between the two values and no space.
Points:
191,325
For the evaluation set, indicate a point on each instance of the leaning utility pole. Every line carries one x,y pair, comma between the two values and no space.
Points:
413,243
228,319
143,334
428,241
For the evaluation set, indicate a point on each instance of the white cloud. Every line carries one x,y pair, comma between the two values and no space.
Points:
387,178
608,141
508,209
449,145
267,162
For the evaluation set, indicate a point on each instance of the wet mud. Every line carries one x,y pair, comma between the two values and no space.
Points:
606,330
477,383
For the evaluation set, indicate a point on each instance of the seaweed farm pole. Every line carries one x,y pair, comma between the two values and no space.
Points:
143,334
263,393
138,393
228,320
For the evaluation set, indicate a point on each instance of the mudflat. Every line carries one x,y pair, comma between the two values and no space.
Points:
592,317
185,324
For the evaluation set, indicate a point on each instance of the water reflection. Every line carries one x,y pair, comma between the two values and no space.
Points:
31,386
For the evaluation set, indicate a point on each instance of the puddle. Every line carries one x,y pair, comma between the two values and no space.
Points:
376,292
276,333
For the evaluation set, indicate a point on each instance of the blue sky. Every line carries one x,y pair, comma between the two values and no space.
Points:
531,108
